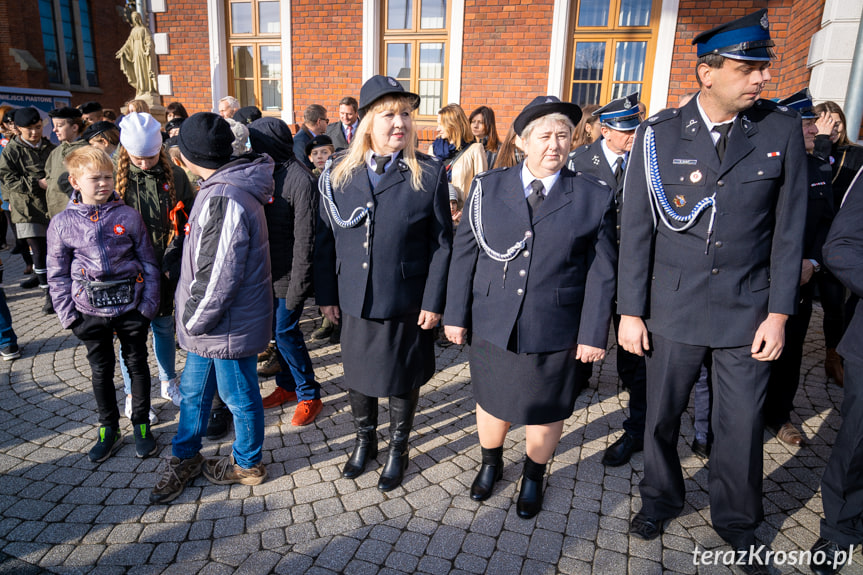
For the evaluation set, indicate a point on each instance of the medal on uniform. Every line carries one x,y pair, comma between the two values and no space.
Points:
679,201
695,176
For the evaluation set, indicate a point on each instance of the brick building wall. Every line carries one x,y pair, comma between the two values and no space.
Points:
188,63
20,28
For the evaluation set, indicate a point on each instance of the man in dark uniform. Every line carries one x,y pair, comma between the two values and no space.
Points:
714,273
606,158
841,488
785,371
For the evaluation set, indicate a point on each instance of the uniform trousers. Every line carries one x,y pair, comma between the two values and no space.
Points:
736,461
842,484
632,371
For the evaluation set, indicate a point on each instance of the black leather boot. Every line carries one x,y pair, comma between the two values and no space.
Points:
530,497
490,472
365,410
402,409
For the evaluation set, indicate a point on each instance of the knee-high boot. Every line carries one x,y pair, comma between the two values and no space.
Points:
365,410
402,409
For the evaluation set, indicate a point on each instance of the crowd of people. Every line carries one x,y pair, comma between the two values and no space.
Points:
702,233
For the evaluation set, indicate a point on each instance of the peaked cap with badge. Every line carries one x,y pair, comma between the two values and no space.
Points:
622,114
802,102
747,38
377,87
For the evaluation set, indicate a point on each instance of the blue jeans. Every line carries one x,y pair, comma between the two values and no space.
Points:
237,381
293,354
7,334
164,348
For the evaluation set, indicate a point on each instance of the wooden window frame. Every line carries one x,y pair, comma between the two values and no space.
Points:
415,36
611,35
255,40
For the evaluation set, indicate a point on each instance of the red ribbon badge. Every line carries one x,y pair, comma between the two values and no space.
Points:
119,230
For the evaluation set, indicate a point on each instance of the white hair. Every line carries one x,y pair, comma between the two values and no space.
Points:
548,118
233,102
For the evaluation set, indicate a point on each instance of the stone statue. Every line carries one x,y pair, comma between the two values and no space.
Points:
138,60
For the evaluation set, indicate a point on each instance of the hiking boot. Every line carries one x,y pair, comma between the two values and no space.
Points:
176,473
109,441
324,331
306,412
220,423
10,352
145,443
271,367
224,471
265,355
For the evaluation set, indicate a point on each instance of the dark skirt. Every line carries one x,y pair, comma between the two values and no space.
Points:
523,388
386,357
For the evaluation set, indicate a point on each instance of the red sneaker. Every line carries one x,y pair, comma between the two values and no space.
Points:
306,412
278,397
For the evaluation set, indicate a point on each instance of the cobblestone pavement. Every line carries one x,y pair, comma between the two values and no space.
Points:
59,513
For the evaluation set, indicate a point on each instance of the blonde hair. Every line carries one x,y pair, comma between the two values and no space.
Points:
139,106
454,121
84,158
362,143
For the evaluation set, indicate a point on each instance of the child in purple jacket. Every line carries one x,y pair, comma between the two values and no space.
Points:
103,280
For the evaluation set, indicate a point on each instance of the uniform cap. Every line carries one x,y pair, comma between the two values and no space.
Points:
543,106
318,142
621,114
26,116
66,113
802,102
377,87
94,130
247,114
747,38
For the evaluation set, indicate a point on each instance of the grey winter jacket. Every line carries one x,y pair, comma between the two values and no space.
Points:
100,243
224,301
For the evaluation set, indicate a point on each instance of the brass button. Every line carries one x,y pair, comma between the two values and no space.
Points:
526,254
720,183
760,172
365,244
718,244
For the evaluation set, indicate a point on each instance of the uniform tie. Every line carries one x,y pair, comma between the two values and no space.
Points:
380,164
618,171
536,197
349,133
722,142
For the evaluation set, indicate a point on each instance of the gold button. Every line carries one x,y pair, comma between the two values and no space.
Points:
720,183
714,271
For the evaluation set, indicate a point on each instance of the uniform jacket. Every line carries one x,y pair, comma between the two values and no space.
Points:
21,168
559,290
224,299
819,208
843,254
337,135
303,137
403,267
590,159
59,190
718,294
104,242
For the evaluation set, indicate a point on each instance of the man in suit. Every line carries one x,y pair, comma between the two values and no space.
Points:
841,489
714,273
314,124
342,132
606,159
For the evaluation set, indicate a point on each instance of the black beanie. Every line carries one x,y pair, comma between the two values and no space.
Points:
205,140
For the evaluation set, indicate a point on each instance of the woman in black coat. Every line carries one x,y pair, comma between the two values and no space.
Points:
532,279
381,256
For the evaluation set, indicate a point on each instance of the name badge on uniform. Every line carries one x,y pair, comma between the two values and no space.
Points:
695,176
684,162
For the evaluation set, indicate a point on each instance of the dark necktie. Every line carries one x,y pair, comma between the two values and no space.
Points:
536,197
722,142
618,171
380,163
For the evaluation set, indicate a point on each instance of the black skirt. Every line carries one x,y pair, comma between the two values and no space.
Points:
386,357
523,388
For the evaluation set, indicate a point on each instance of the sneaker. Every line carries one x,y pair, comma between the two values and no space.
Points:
171,390
10,352
271,367
176,473
278,397
127,411
225,472
265,355
30,282
145,443
306,412
220,423
109,441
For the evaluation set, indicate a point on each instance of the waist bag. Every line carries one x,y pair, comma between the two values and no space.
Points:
110,293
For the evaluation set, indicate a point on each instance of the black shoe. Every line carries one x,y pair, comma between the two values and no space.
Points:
646,527
621,450
10,352
364,451
529,498
702,450
394,469
829,551
145,443
483,485
109,441
336,335
48,307
30,282
220,424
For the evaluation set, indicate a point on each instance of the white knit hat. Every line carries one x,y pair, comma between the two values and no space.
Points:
141,134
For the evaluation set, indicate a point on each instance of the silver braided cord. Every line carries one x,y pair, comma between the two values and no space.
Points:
475,218
326,191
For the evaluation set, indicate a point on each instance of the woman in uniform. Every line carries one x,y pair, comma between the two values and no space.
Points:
381,258
532,280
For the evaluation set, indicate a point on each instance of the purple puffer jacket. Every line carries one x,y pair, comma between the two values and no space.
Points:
100,243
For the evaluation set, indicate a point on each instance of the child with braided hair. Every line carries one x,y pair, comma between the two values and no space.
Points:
150,183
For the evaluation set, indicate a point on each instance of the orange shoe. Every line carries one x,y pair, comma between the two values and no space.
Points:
279,397
307,411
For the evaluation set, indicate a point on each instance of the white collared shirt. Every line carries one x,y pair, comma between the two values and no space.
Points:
527,178
610,156
710,125
374,177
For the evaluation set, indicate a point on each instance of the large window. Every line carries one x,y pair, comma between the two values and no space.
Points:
613,45
68,41
415,47
254,45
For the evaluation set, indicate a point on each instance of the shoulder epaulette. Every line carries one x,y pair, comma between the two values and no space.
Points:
771,106
662,116
491,171
578,151
593,179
